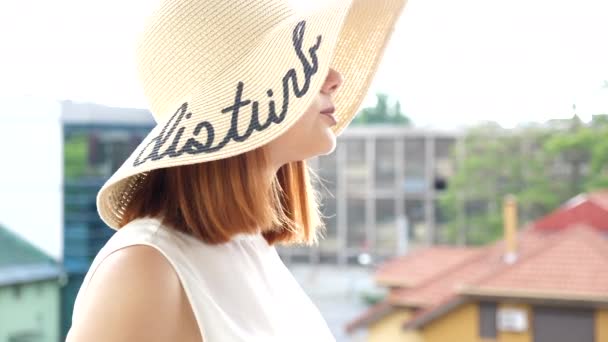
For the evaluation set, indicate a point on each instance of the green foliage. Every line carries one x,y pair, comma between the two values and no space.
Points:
75,154
542,165
382,113
599,154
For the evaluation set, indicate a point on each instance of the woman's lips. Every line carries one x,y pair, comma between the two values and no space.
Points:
330,113
332,117
328,110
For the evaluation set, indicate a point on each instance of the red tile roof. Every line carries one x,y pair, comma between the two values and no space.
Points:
590,209
431,276
600,197
559,264
421,265
571,263
486,261
567,265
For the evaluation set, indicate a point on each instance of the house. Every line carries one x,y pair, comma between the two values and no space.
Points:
30,282
535,285
591,209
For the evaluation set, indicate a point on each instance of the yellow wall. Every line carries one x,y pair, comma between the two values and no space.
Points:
459,325
601,325
462,325
389,329
516,337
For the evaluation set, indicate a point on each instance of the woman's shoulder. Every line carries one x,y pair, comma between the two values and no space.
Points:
142,224
134,294
146,231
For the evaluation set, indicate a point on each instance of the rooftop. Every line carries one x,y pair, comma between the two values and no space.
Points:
590,209
560,265
20,261
91,113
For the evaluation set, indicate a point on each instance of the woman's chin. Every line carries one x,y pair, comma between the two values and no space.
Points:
324,145
328,143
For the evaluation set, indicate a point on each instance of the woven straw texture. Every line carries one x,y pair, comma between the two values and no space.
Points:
196,56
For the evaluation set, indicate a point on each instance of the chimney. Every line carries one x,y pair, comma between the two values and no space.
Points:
510,229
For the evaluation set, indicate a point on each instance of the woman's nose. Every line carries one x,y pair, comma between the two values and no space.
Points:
332,82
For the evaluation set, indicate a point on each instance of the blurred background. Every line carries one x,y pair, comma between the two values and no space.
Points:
467,201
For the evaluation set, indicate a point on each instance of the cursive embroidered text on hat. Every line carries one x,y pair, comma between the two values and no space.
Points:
192,145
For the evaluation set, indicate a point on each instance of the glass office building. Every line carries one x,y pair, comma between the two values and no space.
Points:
97,140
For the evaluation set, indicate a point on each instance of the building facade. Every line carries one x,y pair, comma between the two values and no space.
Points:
30,282
96,141
380,190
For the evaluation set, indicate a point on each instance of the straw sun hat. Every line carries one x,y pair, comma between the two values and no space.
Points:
223,77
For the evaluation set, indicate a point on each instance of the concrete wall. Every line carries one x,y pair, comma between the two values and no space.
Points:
35,310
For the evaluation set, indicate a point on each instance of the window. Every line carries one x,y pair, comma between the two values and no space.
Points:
98,152
356,167
17,291
386,227
385,164
487,320
416,223
415,181
355,234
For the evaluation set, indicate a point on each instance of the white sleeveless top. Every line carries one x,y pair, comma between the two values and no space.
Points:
239,291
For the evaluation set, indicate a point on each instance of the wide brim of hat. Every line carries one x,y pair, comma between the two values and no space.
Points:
354,36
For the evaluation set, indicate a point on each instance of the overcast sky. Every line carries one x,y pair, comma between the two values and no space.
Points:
450,63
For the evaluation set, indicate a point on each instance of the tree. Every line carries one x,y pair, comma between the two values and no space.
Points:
574,150
542,165
382,113
498,162
599,154
75,156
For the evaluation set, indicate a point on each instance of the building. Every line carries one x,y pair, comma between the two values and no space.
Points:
30,282
96,141
538,285
590,209
380,182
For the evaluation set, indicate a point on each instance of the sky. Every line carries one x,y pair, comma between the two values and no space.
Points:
449,63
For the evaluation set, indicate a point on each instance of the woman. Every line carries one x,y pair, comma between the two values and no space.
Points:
243,93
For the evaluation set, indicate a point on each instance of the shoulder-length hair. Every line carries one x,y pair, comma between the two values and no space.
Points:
215,200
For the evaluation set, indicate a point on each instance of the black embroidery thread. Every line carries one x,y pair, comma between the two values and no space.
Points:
193,146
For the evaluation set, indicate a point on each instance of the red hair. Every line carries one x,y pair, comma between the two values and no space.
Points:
215,200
